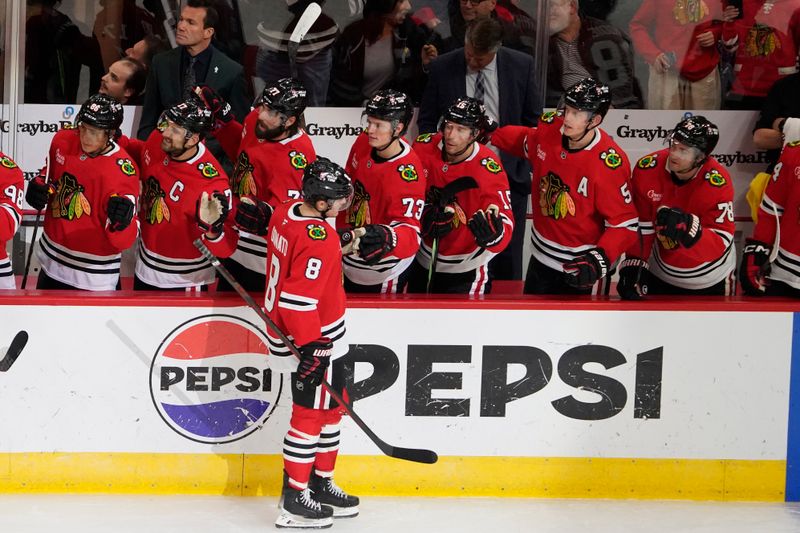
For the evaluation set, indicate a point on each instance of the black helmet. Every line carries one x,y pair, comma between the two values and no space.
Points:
325,180
589,95
698,132
192,115
100,111
287,96
467,112
390,105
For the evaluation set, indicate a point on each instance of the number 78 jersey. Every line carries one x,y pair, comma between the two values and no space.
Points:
304,294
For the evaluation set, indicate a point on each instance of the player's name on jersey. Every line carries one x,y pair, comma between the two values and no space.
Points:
348,130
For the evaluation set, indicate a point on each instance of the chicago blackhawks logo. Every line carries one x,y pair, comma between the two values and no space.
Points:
242,181
317,232
666,242
358,214
548,117
408,173
424,138
208,170
611,158
298,160
715,178
761,41
69,201
554,198
689,11
648,161
126,166
7,163
794,143
154,206
491,165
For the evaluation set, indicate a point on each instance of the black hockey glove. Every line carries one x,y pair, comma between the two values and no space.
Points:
39,192
487,227
314,360
584,271
211,212
678,225
216,104
754,267
120,210
436,222
488,127
350,239
377,242
633,276
252,215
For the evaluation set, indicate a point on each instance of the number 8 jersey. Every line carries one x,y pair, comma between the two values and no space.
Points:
304,294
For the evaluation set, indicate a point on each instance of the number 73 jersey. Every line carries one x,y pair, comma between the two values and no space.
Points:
709,196
305,293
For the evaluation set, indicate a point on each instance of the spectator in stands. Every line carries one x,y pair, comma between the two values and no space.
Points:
510,95
314,57
779,121
383,50
519,28
55,52
679,42
194,62
145,49
124,81
765,39
582,47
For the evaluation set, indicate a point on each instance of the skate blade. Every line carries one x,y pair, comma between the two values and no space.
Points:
344,512
288,520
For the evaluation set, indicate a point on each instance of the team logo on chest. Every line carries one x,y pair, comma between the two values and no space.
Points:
689,11
761,41
358,214
317,232
554,198
298,160
126,166
491,165
7,163
611,158
408,172
154,206
715,178
648,161
69,201
242,181
208,170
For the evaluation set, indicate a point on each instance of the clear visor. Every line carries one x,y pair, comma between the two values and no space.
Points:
376,124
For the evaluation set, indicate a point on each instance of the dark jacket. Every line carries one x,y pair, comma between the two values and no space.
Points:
598,39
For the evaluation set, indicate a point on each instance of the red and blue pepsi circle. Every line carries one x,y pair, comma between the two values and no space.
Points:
210,381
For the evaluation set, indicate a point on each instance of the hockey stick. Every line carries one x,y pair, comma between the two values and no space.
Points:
446,195
12,353
407,454
169,23
35,230
307,19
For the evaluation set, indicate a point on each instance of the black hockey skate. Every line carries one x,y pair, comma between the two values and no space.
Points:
301,510
327,492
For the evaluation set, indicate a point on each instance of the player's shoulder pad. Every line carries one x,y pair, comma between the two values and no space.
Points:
408,172
425,138
7,162
648,162
316,232
207,169
548,117
125,165
297,159
491,164
612,157
716,177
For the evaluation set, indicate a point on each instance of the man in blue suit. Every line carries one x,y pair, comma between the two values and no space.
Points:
504,80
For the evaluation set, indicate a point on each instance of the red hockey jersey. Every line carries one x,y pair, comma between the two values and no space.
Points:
781,201
77,246
304,295
458,251
170,191
709,195
581,199
386,192
12,185
273,173
766,40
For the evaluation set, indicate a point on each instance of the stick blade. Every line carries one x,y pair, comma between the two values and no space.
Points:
14,350
414,455
307,20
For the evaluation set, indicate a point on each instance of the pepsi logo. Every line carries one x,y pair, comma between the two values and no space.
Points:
210,381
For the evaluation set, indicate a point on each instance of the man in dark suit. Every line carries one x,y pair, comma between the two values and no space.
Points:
194,62
504,80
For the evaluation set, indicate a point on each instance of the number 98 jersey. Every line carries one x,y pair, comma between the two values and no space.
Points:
304,295
11,187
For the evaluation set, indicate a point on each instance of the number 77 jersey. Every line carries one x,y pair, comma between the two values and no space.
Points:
304,294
